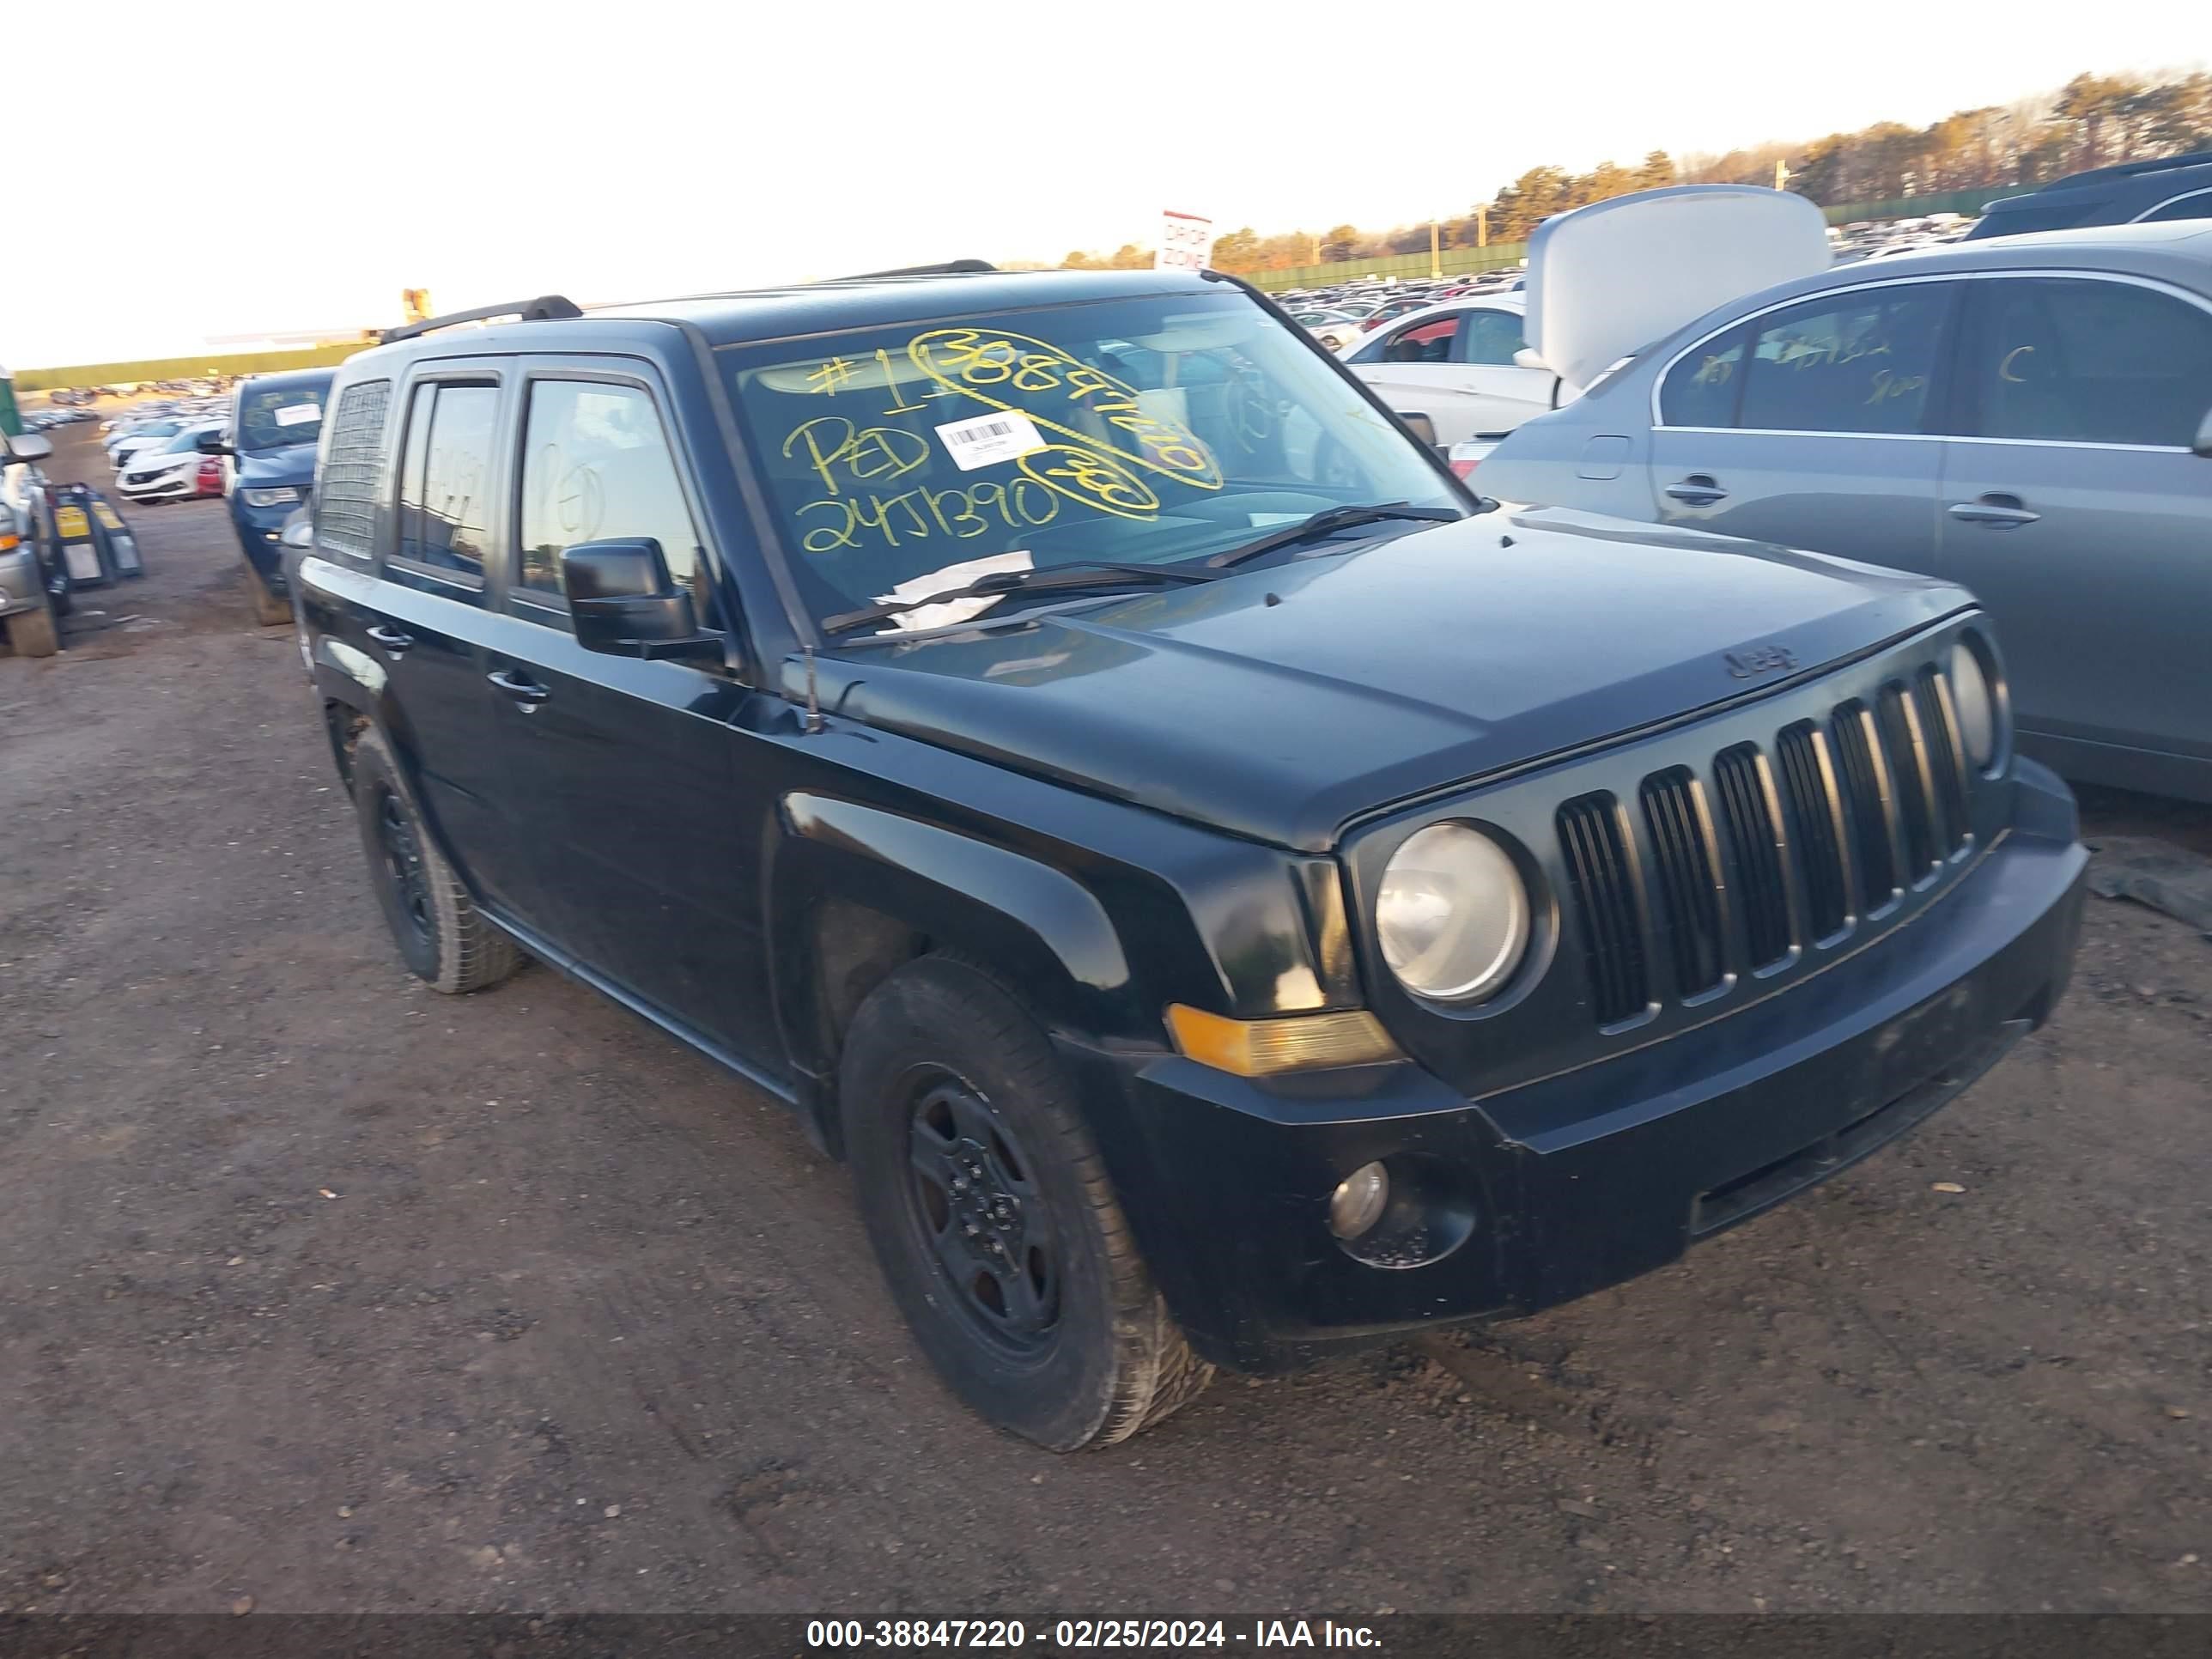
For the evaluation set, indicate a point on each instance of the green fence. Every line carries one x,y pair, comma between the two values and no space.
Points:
1968,202
1454,262
184,368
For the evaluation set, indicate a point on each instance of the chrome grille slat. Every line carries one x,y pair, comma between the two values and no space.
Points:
1754,848
1910,787
1939,727
1816,828
1688,885
1604,888
1866,803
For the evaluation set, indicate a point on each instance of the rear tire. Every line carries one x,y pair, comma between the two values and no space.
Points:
442,937
993,1218
32,633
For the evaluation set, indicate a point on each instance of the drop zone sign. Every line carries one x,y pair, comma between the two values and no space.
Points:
1185,240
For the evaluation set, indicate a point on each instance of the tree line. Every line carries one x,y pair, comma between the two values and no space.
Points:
2093,120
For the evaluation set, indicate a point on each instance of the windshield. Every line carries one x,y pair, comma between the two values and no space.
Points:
272,417
159,430
188,438
1148,431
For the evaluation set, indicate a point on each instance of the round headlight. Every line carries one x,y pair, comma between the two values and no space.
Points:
1976,703
1452,913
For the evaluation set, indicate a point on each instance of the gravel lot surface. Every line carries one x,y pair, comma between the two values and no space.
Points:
320,1289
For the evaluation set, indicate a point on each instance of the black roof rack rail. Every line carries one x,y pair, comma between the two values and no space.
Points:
546,307
2136,169
949,268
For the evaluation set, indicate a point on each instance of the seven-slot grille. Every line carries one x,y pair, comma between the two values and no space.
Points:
1740,868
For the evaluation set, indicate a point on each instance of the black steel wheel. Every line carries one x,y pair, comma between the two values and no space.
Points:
441,935
401,879
992,1217
979,1214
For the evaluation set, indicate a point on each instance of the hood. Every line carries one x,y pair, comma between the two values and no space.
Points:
293,465
1608,279
155,461
1280,703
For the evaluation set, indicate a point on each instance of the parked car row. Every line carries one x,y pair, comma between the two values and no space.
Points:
1341,314
42,420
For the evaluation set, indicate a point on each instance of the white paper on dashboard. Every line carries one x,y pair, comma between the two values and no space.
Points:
952,576
298,414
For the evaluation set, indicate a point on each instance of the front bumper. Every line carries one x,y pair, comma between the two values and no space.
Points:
168,486
1587,1178
260,538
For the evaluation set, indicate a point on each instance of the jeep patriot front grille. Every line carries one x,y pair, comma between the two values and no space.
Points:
1732,872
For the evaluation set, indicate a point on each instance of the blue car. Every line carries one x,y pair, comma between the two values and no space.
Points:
274,425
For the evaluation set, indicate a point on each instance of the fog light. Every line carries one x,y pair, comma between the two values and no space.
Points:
1358,1201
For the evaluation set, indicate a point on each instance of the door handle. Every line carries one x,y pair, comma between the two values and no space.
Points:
390,638
1997,511
1699,490
526,692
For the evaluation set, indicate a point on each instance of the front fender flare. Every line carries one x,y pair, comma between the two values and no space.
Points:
1038,926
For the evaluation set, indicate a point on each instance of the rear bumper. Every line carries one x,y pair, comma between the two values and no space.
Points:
1227,1181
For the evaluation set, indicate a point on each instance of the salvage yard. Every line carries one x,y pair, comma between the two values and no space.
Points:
320,1291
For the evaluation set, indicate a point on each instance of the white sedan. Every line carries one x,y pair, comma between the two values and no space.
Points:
1462,363
186,466
127,442
1333,328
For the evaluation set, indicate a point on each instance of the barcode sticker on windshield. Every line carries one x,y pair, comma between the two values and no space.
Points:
986,440
298,414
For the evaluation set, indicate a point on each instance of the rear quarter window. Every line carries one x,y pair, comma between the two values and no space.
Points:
351,477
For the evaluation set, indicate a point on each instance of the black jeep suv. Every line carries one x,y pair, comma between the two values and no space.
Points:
1224,890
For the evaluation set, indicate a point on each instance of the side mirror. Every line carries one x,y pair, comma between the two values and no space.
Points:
1526,357
211,443
31,446
623,602
2202,447
1423,427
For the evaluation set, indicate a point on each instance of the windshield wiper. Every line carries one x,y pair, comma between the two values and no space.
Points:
1328,520
1083,573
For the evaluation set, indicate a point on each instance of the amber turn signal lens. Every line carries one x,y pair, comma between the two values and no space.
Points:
1263,1048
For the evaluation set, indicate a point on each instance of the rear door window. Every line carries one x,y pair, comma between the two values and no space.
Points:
445,478
1491,338
1864,361
1702,388
1424,343
2079,360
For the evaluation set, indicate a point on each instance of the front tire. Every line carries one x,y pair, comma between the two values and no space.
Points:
441,935
993,1218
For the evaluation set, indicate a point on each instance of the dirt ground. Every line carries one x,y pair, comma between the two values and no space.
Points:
318,1288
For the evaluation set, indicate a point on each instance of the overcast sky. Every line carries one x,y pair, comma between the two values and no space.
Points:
180,174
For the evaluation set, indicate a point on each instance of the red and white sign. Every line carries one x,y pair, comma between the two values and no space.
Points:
1186,241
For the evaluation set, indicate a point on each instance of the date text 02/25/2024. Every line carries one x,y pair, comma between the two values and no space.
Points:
1084,1635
